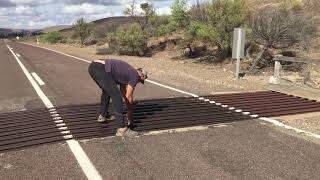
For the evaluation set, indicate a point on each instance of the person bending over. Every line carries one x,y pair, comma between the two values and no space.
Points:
108,74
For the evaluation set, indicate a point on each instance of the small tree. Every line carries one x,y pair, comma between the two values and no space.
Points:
179,16
148,12
222,17
82,29
129,42
134,40
143,18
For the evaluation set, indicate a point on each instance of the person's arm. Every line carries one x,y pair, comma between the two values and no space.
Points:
127,92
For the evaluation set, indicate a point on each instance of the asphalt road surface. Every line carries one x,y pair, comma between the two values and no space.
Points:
240,150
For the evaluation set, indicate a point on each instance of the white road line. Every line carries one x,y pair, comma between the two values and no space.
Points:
273,121
41,94
82,158
277,123
38,79
18,55
174,89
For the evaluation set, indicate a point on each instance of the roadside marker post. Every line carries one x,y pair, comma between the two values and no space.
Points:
238,47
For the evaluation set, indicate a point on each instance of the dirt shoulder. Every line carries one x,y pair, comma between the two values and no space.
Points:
204,79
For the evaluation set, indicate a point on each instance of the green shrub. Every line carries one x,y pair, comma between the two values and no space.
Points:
179,16
52,38
216,23
128,42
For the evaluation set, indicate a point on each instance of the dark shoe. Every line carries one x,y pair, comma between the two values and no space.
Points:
102,119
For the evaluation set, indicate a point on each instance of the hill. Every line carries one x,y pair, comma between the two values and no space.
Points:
105,25
54,28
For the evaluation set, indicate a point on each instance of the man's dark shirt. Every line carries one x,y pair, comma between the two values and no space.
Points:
122,72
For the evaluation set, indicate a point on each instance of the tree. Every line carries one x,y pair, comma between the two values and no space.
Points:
143,18
179,15
222,17
278,28
148,12
82,29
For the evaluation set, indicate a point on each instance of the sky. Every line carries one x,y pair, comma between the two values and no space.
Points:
37,14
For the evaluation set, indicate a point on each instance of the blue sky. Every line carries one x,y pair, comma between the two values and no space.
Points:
35,14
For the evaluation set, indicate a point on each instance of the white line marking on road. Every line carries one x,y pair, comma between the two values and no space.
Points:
194,128
65,132
174,89
58,121
82,158
277,123
43,97
273,121
63,128
18,55
68,136
61,124
38,79
55,115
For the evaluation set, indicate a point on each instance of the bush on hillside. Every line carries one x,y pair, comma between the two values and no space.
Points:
128,42
52,38
222,17
213,23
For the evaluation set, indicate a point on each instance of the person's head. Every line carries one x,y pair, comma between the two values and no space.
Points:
143,75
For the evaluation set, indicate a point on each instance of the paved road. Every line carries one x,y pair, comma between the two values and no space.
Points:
240,150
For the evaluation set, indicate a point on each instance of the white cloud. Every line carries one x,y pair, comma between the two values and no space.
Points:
40,13
24,10
163,11
86,9
30,2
